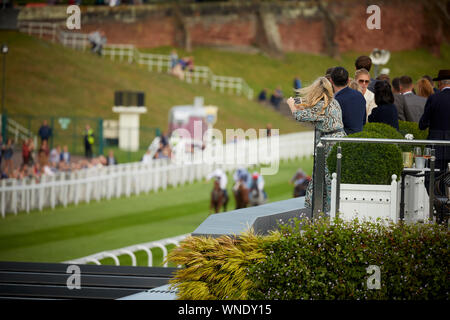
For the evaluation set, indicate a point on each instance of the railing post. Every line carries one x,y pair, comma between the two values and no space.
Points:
338,178
431,193
319,175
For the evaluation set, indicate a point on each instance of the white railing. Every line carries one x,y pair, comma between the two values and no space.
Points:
123,52
134,178
40,29
19,132
130,251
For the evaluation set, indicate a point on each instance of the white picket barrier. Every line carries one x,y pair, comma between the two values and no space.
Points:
130,251
126,52
95,184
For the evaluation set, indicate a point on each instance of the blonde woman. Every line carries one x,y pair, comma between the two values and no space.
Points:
324,112
424,88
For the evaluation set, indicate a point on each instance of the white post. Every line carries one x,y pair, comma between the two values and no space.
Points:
393,213
3,197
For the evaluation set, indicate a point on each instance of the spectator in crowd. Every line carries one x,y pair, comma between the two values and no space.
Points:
362,76
269,130
45,132
111,160
8,153
436,117
322,110
435,90
147,158
424,88
385,112
262,97
352,102
173,59
276,98
383,77
412,107
88,141
183,65
355,86
97,40
164,139
44,153
297,83
55,156
328,73
398,98
65,155
26,152
364,62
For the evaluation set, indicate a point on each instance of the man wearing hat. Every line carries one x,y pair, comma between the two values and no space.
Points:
436,117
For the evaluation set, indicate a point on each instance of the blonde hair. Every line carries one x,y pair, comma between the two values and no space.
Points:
321,89
424,88
361,71
355,86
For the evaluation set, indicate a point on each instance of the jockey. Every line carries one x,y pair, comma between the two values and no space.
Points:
241,174
257,182
223,180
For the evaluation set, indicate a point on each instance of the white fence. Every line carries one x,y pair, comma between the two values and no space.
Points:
123,52
130,251
128,179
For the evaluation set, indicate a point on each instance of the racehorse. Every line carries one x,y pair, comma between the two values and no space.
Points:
300,188
218,198
241,195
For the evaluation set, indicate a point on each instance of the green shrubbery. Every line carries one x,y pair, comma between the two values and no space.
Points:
329,261
367,163
412,128
322,261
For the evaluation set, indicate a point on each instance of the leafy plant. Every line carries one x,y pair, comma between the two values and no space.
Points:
327,260
367,163
216,268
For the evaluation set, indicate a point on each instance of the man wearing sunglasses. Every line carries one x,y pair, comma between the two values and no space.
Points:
362,77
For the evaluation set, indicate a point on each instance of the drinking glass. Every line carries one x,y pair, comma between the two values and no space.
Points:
417,151
427,156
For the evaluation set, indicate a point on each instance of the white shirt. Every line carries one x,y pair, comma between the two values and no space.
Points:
218,173
370,103
407,92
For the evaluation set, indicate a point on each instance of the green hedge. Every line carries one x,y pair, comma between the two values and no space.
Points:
412,128
330,261
367,163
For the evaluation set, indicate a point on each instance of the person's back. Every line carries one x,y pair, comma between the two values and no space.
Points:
437,112
353,106
414,106
352,102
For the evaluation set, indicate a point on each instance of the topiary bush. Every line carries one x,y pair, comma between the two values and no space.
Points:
330,261
216,268
367,163
412,128
388,132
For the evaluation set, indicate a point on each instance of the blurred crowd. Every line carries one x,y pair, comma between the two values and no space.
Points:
40,160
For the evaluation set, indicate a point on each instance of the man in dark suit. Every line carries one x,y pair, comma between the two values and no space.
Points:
436,117
352,102
411,108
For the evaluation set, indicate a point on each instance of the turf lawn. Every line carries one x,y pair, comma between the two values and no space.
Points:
76,231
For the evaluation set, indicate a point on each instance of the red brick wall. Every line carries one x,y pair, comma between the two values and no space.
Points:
402,28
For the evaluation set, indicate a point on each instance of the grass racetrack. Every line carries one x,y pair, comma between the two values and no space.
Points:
76,231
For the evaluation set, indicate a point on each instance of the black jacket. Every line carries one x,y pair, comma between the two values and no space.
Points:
436,117
386,113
